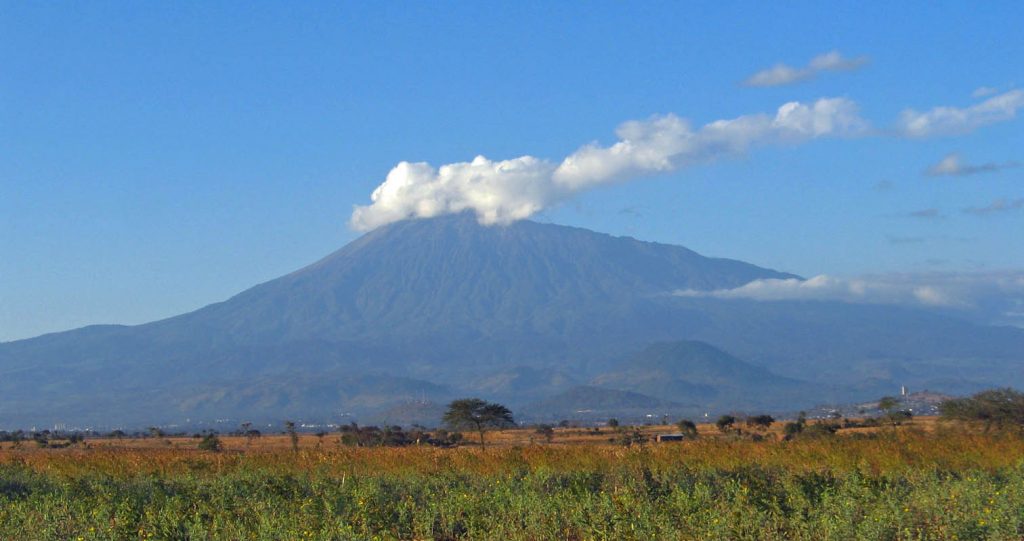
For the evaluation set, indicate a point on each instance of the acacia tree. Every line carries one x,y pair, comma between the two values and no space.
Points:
477,414
293,435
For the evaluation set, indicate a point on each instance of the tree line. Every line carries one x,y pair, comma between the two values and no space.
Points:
994,409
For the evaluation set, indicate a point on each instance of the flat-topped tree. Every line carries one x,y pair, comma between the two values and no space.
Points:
477,414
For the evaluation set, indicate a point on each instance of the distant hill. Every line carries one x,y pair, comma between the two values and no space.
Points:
439,308
698,373
522,384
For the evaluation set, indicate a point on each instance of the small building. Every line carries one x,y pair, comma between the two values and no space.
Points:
669,437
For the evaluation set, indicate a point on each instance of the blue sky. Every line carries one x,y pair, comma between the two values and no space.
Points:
155,158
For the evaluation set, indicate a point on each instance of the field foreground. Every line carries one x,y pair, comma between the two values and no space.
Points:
887,485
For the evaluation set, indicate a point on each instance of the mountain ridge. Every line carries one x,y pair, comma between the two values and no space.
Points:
450,304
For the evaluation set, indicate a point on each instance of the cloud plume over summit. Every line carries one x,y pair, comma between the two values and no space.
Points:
500,192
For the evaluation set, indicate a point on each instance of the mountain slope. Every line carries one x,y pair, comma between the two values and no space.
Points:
420,277
520,313
696,372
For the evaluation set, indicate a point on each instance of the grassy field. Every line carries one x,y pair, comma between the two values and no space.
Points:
922,481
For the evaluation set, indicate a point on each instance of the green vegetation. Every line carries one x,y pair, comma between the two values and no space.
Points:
891,485
395,436
999,408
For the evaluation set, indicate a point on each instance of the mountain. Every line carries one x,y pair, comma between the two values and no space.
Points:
699,373
428,310
522,384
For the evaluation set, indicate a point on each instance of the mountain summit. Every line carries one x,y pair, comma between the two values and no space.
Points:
446,275
430,309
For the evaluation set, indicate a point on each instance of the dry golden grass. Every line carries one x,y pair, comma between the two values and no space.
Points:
915,482
499,438
923,443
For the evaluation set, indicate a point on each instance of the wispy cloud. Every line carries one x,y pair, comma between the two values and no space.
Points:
633,211
884,186
952,165
873,290
983,91
993,295
955,121
996,207
925,214
508,190
896,239
782,74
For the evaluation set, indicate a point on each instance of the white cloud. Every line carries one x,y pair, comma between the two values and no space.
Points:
781,74
504,191
991,295
953,121
951,165
498,191
824,287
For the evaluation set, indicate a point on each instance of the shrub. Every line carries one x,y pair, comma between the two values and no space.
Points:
760,421
210,442
687,428
546,432
999,408
791,429
819,430
629,438
725,422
